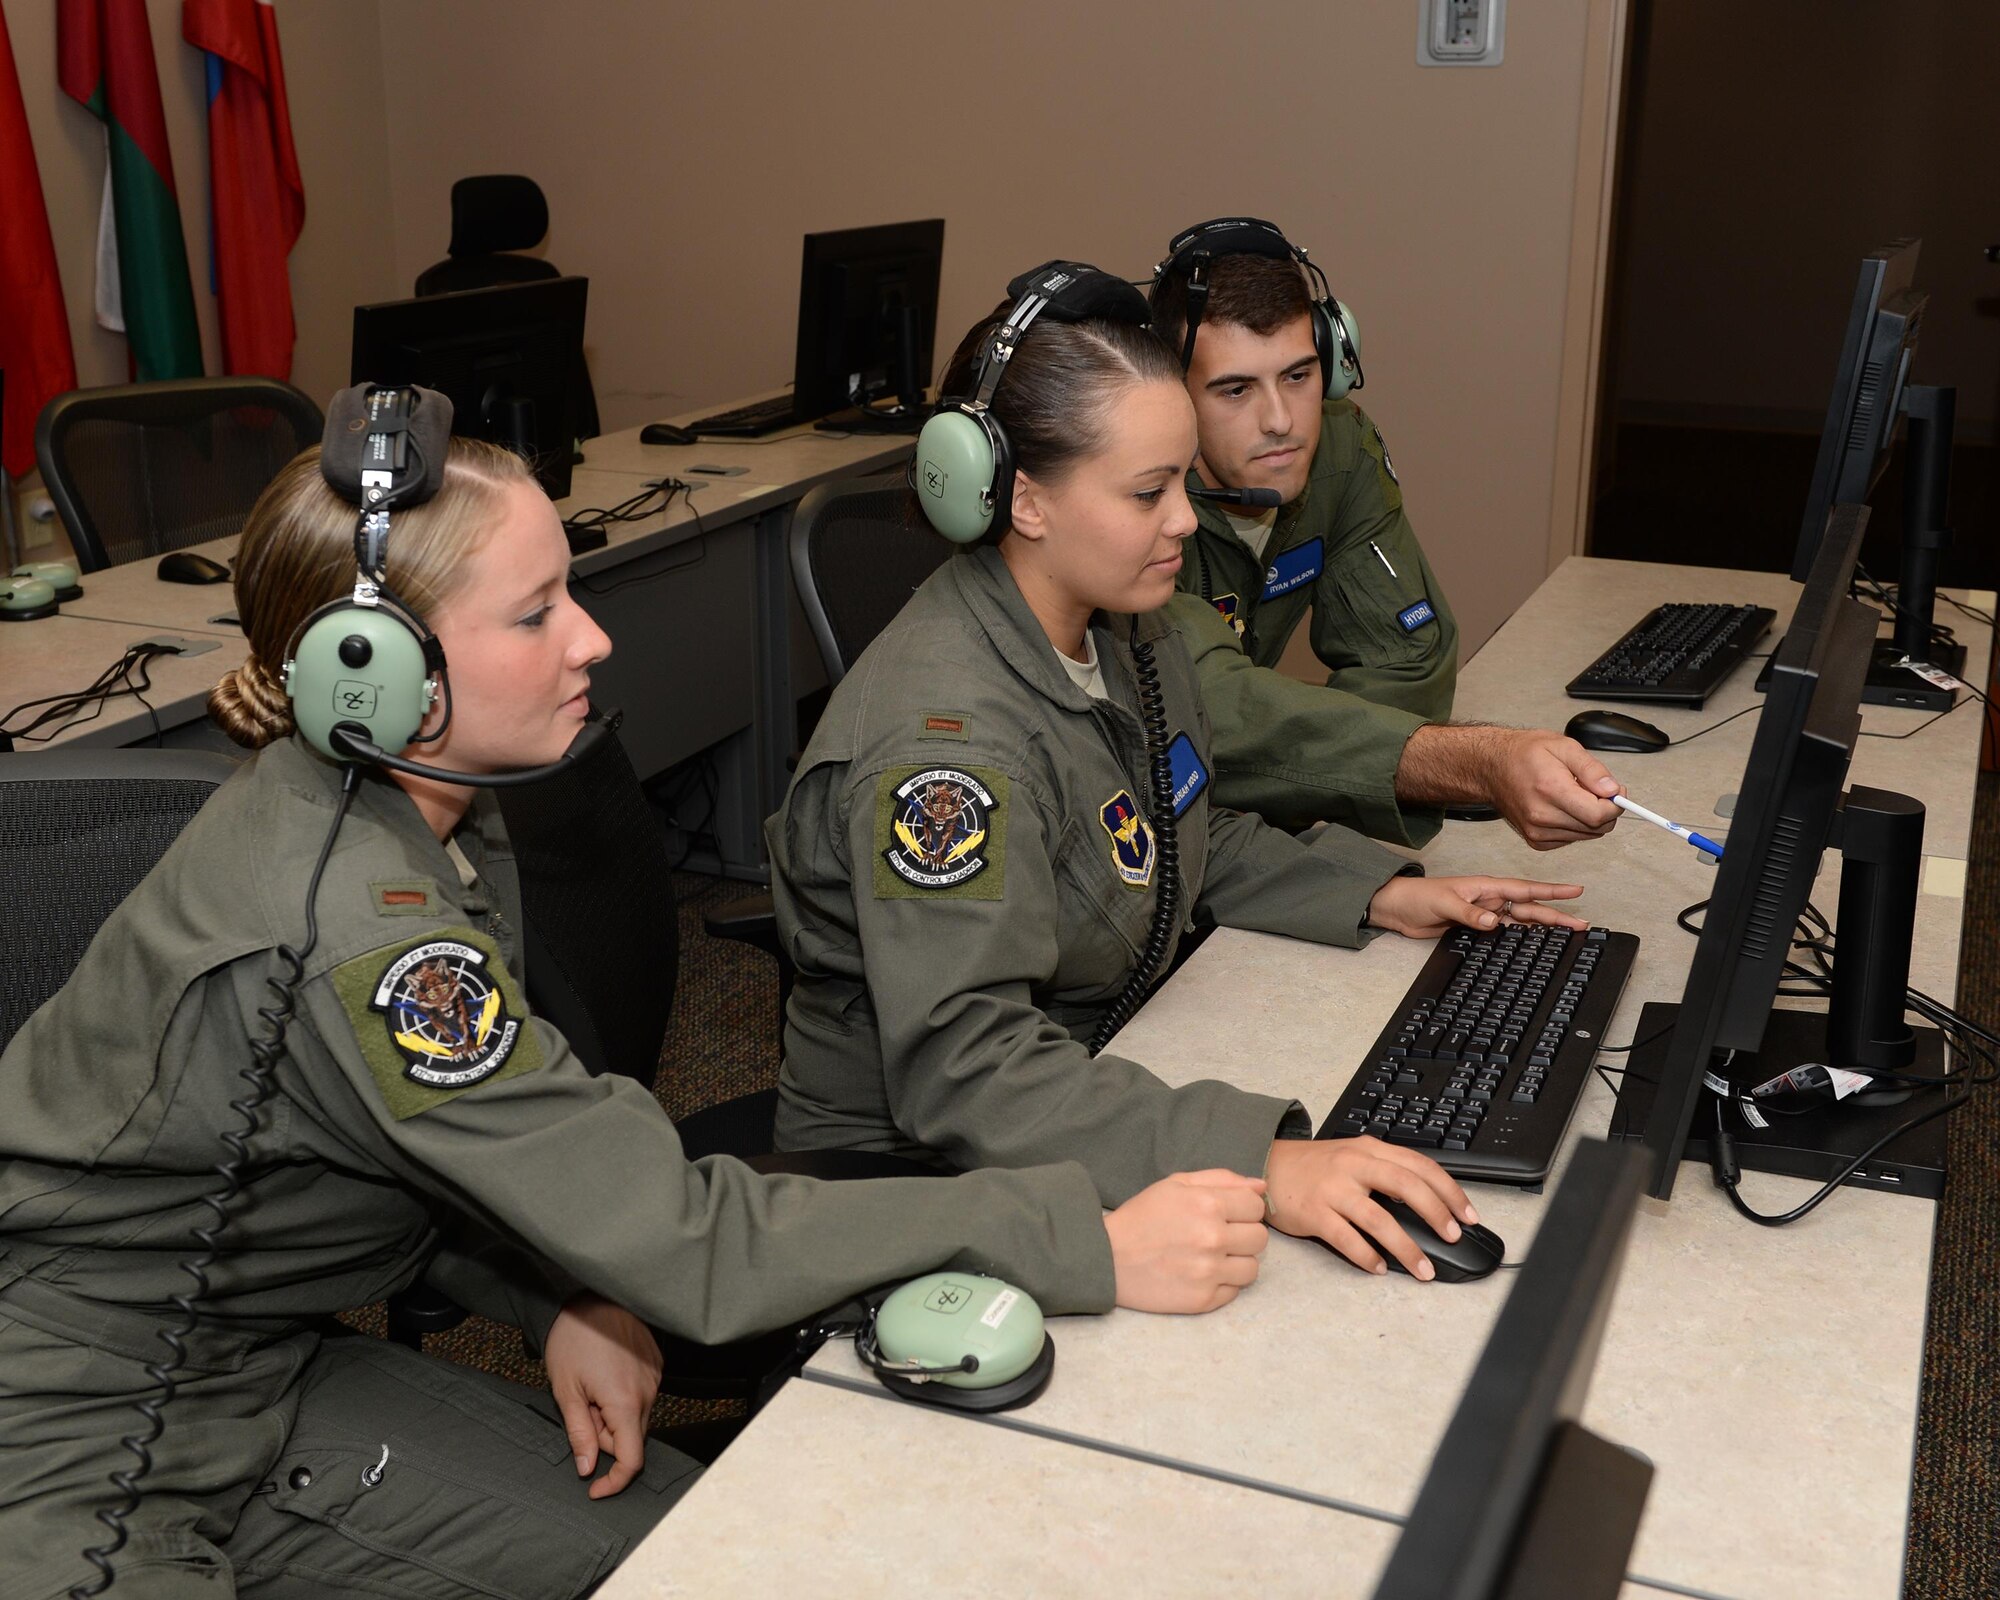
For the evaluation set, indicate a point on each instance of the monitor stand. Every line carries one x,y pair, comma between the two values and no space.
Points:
873,419
1814,1145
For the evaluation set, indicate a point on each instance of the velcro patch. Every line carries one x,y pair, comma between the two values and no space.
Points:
1226,606
436,1016
402,897
1390,485
1190,776
1294,569
1133,849
943,725
940,831
1414,617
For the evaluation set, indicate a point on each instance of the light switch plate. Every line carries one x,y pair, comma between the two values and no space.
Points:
1461,33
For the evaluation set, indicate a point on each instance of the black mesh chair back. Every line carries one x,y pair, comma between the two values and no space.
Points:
493,216
78,830
140,469
597,897
859,549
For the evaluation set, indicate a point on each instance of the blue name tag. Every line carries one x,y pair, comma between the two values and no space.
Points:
1293,568
1416,616
1190,776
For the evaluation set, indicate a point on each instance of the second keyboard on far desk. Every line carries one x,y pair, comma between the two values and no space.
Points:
1676,655
1488,1053
759,417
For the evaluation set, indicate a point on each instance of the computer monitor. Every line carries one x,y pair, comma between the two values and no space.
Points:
868,302
506,357
1872,392
1521,1500
1725,1036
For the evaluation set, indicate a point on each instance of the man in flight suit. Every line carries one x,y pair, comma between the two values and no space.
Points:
1371,747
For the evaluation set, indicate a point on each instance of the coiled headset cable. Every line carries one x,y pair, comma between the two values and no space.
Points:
1167,901
265,1053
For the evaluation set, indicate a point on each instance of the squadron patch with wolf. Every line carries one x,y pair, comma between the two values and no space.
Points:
434,1017
940,831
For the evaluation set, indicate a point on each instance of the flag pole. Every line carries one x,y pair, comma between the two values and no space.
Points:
9,535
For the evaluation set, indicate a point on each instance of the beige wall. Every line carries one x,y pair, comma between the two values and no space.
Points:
1775,145
685,149
334,76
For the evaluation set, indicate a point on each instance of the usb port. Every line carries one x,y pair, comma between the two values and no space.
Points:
1888,1175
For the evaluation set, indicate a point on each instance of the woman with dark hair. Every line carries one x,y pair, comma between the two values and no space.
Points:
1000,828
320,985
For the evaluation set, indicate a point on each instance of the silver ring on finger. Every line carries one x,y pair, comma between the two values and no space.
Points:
1506,908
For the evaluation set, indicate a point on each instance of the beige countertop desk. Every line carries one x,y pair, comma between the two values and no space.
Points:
831,1493
1771,1375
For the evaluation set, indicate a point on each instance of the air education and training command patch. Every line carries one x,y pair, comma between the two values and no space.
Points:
436,1017
940,831
1132,848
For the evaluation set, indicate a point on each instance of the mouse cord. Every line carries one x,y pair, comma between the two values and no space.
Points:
265,1054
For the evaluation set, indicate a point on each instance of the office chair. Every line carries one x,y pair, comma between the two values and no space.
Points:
492,218
859,548
139,469
83,826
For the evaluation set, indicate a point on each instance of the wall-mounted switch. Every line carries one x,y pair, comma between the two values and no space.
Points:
1461,33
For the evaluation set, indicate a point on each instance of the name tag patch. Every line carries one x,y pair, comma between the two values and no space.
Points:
1132,848
1190,776
1416,616
1293,569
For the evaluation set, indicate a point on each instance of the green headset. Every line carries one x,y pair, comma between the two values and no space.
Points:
1336,336
37,589
365,669
963,471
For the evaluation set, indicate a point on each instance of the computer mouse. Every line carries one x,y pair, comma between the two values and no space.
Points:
1474,1253
1613,730
185,566
666,433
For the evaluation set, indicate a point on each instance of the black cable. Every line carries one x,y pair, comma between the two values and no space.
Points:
668,487
1728,1173
115,682
1757,706
265,1054
1166,841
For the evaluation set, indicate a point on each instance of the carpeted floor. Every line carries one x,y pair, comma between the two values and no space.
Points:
723,1042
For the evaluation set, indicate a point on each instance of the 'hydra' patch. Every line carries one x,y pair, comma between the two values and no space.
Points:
1132,846
939,830
1414,617
1227,606
435,1017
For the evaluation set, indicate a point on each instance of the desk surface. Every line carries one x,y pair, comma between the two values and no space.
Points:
1739,1359
830,1493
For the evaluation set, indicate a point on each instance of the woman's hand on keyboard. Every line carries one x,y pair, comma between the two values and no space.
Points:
1326,1189
1423,908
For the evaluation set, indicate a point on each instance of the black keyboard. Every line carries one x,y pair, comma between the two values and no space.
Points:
1487,1055
748,422
1678,654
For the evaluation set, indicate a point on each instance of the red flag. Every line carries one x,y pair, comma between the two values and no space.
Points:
34,328
257,197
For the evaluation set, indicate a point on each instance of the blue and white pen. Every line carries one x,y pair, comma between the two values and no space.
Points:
1699,841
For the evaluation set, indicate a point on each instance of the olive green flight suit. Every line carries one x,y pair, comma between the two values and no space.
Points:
1296,753
421,1117
947,981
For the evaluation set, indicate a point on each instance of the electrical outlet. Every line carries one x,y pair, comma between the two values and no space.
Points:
1461,33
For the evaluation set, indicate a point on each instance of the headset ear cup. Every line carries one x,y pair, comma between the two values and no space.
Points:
360,665
956,473
1337,337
